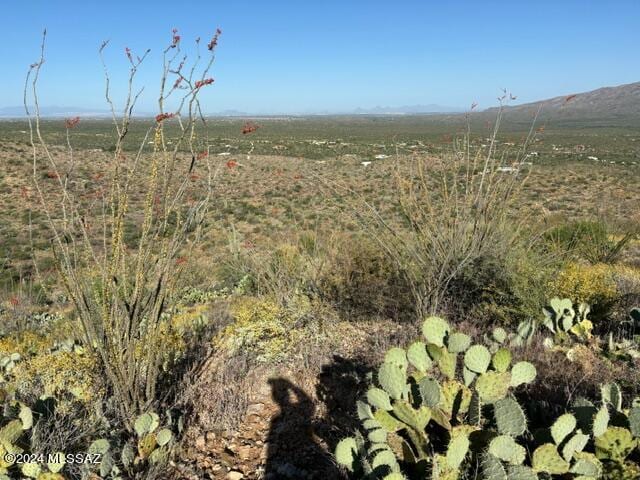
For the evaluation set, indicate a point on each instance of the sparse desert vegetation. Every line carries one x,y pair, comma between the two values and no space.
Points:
370,297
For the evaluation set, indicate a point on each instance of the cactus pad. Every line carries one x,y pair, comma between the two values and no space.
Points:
586,464
377,435
634,421
612,395
600,421
468,376
385,457
547,459
447,364
510,418
346,453
563,426
394,476
164,437
378,398
506,449
475,409
455,397
392,379
616,443
458,342
396,356
457,450
574,444
522,372
11,432
364,410
520,472
415,418
492,468
144,424
477,358
584,411
493,386
386,421
499,335
146,445
435,329
429,391
501,360
417,356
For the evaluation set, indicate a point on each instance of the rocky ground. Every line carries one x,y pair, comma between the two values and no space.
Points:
291,420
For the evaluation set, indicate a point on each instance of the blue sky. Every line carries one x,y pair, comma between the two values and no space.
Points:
298,56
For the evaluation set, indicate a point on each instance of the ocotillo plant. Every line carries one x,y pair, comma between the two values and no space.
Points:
119,245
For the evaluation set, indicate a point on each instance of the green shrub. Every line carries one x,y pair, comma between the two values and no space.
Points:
362,281
590,240
504,288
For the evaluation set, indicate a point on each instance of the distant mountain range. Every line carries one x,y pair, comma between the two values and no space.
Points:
406,110
609,106
61,112
54,112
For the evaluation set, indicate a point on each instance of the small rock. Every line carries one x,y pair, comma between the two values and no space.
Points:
200,442
233,475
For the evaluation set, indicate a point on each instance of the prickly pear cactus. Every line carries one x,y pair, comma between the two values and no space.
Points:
566,321
445,409
440,382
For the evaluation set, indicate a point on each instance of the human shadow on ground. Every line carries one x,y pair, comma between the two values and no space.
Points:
301,442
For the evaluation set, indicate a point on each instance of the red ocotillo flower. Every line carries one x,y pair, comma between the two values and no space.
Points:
71,122
249,127
203,154
163,116
127,51
231,164
202,83
176,37
214,40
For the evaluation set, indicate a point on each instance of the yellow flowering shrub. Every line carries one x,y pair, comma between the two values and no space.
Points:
25,343
186,319
59,373
263,327
592,284
171,333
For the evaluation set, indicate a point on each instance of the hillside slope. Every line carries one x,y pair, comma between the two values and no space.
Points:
608,106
